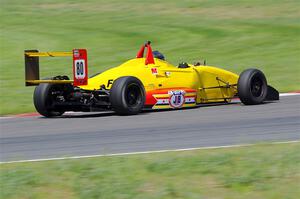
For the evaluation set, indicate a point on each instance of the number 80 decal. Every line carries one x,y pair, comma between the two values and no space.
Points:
80,72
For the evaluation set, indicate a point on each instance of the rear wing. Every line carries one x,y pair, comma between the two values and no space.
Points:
32,70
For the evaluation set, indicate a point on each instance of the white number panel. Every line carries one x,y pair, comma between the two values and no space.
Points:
79,69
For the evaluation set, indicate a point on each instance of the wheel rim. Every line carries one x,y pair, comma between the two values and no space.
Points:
53,92
133,95
256,87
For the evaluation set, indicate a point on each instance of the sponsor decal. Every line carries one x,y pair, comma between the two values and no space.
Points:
76,53
109,82
154,71
168,73
176,99
190,100
162,101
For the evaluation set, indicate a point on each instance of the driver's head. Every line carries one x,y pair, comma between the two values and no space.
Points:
158,55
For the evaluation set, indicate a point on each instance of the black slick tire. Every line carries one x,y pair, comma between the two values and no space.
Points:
127,95
252,87
43,100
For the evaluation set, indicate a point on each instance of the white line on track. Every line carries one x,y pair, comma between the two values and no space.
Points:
288,94
6,117
144,152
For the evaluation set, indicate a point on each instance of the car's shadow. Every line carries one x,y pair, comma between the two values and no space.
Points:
88,115
146,111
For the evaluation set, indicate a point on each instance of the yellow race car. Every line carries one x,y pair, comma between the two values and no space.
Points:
145,82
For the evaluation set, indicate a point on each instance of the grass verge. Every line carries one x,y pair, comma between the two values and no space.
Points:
234,35
260,171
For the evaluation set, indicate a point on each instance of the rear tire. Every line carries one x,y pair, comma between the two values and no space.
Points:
127,95
43,99
252,87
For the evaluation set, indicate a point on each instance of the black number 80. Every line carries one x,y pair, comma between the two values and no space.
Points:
79,68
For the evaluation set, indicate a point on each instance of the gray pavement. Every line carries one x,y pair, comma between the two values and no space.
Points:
105,133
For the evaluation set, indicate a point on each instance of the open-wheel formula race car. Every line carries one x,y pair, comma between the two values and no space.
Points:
148,82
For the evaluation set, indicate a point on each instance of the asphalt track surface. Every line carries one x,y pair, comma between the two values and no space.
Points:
106,133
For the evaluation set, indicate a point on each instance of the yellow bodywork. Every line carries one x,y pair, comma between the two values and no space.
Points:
49,54
36,82
211,84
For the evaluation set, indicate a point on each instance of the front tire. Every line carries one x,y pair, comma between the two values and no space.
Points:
252,87
44,97
127,95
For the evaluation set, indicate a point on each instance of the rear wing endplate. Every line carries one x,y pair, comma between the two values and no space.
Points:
80,67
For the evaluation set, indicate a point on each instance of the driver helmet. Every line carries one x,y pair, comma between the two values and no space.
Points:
158,55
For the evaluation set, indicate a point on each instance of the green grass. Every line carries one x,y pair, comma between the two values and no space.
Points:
231,34
260,172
